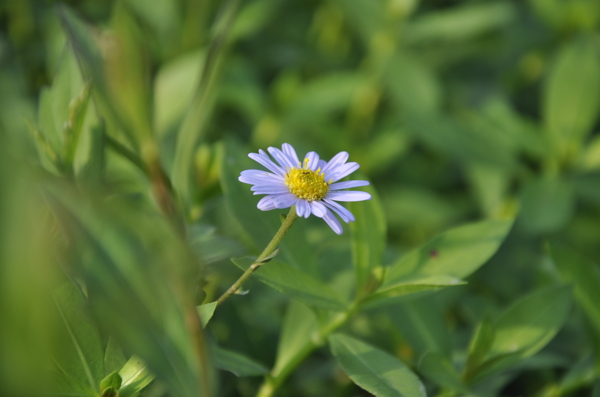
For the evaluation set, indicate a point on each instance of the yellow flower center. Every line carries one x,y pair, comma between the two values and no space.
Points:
306,184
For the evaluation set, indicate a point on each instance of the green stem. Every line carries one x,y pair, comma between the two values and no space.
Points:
276,378
285,226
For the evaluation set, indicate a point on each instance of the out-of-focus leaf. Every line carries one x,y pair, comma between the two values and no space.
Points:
440,370
585,277
580,374
480,346
421,322
461,23
237,363
547,205
294,283
253,17
375,370
368,239
457,252
299,327
174,87
572,97
465,143
412,85
206,312
525,328
125,273
257,227
135,378
80,358
365,16
532,321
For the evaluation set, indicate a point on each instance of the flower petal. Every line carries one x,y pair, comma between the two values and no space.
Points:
313,160
266,203
281,158
348,196
255,177
318,208
269,189
346,215
342,171
291,153
333,223
347,185
263,159
284,200
335,162
302,208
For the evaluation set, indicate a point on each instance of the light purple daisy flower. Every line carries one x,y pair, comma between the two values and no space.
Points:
312,185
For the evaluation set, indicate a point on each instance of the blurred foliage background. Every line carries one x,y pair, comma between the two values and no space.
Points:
457,110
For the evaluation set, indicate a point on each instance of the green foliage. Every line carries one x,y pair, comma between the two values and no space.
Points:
124,126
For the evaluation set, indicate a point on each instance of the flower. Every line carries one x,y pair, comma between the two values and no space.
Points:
312,185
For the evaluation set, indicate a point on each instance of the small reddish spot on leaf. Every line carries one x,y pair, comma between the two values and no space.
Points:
434,254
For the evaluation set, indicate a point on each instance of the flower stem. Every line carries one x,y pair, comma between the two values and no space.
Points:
285,226
274,380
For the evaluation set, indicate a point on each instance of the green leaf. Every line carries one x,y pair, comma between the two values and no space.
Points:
456,253
80,357
112,381
125,271
532,321
525,328
411,285
572,95
480,346
206,312
585,277
256,227
294,283
375,370
440,370
135,377
237,363
461,23
299,326
368,239
421,322
547,205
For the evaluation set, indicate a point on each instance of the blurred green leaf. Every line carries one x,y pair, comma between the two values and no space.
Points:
368,239
375,370
572,96
547,205
481,344
456,253
421,322
135,378
125,272
80,358
461,23
585,277
412,84
237,363
440,370
299,327
532,321
294,283
526,327
174,87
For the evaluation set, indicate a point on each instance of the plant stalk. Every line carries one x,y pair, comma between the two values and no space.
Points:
285,226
